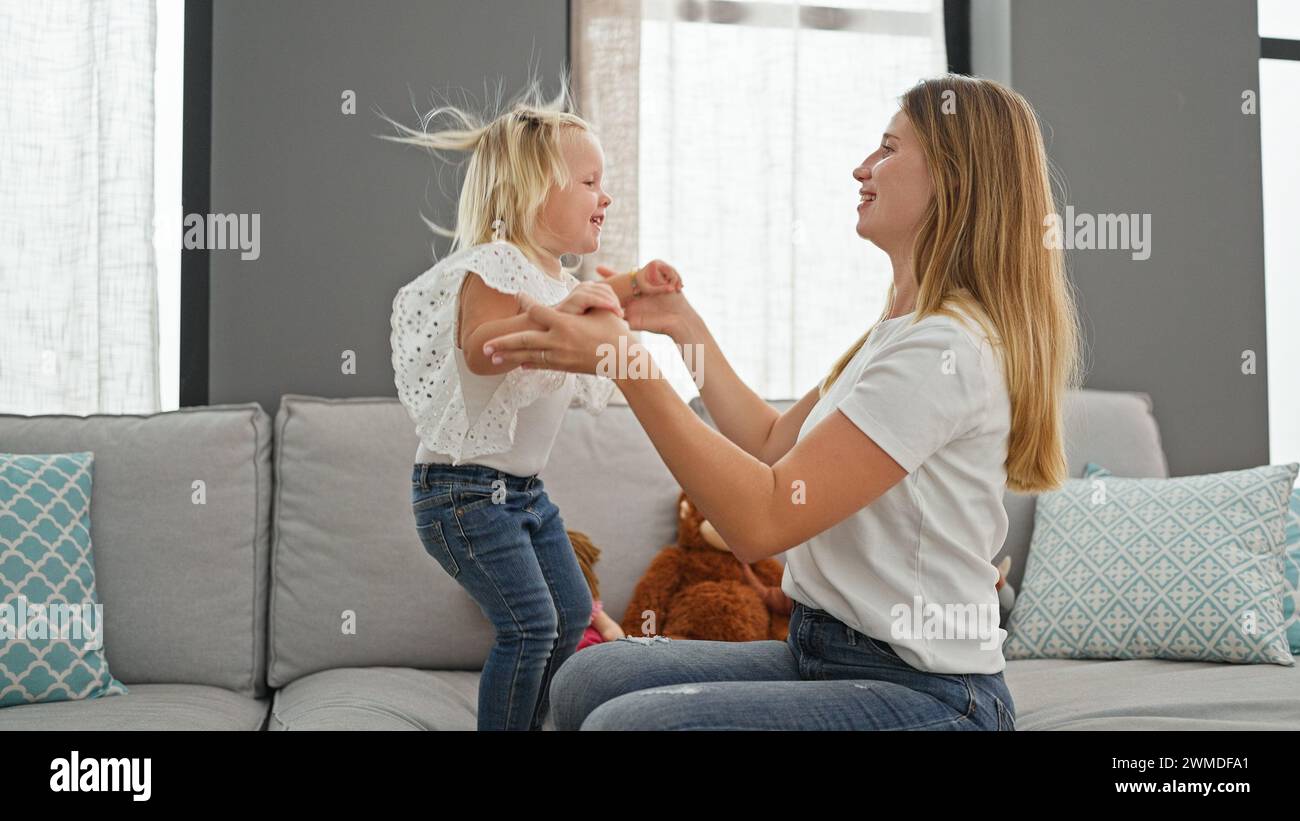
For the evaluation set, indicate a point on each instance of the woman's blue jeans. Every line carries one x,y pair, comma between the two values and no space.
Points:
500,537
825,676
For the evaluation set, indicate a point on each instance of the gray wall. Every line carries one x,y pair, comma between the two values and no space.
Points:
340,209
1142,107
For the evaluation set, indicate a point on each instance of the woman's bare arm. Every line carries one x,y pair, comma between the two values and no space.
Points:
758,509
741,414
786,430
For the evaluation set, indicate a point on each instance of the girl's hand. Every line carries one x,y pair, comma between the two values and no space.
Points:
587,295
666,313
657,277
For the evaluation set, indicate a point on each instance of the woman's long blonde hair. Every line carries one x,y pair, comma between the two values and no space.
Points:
515,158
980,246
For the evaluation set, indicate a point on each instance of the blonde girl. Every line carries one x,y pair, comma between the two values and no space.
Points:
532,193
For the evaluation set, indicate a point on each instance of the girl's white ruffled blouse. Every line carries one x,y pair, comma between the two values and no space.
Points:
425,363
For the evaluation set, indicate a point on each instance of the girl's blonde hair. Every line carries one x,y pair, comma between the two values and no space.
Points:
980,246
515,158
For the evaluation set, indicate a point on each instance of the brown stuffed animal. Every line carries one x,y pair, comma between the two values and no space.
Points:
697,589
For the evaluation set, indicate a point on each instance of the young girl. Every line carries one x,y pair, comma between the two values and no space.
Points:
532,192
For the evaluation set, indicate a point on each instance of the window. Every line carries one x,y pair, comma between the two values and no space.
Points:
1279,122
731,131
168,83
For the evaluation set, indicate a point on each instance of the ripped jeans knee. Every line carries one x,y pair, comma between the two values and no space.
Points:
644,639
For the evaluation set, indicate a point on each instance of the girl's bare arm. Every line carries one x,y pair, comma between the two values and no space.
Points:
484,313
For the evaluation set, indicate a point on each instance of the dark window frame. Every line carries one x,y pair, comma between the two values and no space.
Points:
956,35
196,190
1277,48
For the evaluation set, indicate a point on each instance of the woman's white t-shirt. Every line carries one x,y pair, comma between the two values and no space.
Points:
914,568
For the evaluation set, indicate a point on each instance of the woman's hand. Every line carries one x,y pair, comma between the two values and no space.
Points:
587,295
579,343
661,313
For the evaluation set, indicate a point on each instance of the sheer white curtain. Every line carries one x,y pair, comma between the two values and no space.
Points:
78,289
730,131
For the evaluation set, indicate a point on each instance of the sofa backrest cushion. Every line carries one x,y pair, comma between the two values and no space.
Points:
1113,428
179,519
352,584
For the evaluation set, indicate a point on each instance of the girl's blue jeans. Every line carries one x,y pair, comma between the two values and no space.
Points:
500,537
825,676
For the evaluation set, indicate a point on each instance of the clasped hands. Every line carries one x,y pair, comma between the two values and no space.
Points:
575,330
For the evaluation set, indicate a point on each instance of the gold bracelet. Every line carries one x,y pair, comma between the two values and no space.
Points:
636,289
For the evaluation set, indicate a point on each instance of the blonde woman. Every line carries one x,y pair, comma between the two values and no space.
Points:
883,485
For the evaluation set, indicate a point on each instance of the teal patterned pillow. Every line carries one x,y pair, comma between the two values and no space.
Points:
1290,562
1186,568
51,624
1291,568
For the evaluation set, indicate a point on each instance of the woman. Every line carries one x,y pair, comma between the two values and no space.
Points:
883,485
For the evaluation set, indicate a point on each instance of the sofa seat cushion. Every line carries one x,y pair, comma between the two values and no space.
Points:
378,698
1153,694
145,707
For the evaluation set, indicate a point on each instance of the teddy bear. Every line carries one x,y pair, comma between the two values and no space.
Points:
710,594
697,589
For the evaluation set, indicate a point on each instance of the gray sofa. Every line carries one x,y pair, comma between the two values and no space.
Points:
298,596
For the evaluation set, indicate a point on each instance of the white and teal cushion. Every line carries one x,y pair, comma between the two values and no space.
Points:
51,625
1291,570
1187,568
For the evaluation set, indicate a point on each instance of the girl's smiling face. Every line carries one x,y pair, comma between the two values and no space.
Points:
895,188
571,217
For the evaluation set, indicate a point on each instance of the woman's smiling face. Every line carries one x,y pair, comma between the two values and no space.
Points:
897,188
571,217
